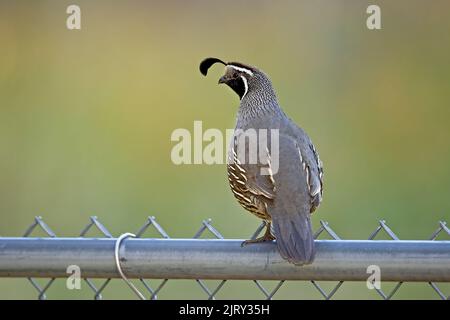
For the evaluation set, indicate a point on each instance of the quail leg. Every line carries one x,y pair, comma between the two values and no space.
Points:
268,236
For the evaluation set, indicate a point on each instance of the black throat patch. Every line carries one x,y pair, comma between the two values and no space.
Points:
238,86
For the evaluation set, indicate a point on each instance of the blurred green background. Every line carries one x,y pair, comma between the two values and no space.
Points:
86,118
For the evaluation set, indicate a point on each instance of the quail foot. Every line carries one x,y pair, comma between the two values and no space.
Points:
291,187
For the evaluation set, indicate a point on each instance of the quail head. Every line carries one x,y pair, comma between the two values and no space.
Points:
285,185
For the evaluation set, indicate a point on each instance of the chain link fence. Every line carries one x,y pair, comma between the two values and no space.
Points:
206,228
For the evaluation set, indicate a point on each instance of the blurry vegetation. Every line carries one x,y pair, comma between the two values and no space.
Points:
86,118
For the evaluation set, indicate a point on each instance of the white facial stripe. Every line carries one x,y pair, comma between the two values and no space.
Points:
241,69
245,85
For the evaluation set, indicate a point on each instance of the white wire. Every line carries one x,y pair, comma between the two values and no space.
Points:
119,267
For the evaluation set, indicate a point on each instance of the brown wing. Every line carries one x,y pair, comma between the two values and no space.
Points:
314,177
252,190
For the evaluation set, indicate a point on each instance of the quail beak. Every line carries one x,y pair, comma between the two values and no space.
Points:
223,80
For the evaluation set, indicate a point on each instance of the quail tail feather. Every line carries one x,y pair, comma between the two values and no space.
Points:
295,239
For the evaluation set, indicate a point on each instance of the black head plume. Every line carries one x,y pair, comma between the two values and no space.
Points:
207,63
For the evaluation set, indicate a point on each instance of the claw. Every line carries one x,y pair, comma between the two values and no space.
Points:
266,237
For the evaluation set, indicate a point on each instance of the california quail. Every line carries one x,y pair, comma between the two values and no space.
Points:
285,197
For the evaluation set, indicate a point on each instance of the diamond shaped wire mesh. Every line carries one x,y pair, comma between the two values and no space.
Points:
151,222
94,223
39,223
383,226
441,229
267,294
324,227
206,226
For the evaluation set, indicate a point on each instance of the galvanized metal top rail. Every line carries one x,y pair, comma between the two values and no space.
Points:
223,259
163,258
